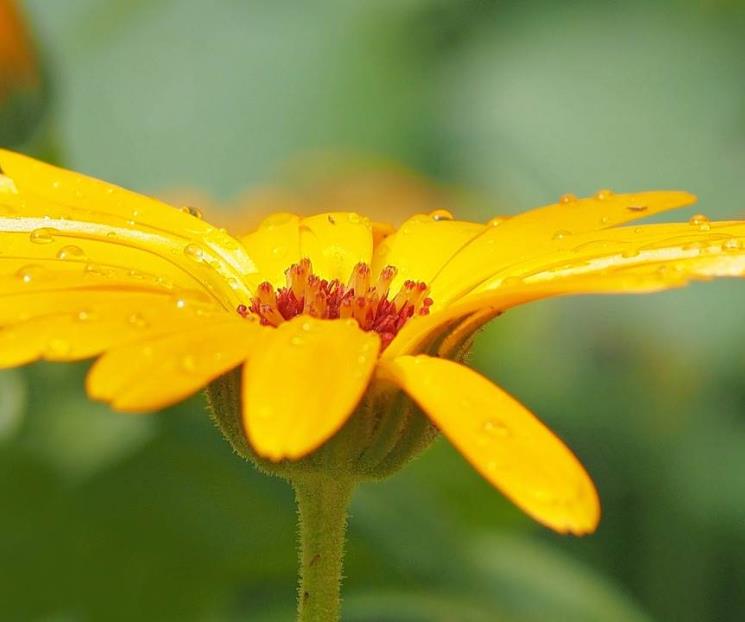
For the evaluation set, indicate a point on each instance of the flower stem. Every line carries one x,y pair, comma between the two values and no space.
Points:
322,501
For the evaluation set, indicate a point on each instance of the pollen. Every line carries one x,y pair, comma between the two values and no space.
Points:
363,298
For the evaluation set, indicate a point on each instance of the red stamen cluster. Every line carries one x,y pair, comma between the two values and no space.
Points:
361,299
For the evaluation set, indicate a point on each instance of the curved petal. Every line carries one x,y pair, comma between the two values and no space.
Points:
335,242
70,325
303,382
537,231
156,372
503,441
69,221
625,260
275,246
422,246
676,244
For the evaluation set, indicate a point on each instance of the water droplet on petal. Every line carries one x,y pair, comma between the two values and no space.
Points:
495,427
180,303
561,234
441,214
194,251
637,208
192,211
700,221
497,220
29,273
354,218
137,320
70,252
733,244
277,251
189,363
7,184
603,194
307,326
43,235
297,340
567,198
84,315
630,252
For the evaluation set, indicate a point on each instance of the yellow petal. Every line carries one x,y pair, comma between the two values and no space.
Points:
504,442
303,382
713,246
623,260
335,243
275,246
55,216
156,372
422,246
537,231
70,325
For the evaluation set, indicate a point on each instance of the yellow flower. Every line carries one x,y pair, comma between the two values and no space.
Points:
326,310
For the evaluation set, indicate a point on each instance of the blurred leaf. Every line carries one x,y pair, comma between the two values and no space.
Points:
12,403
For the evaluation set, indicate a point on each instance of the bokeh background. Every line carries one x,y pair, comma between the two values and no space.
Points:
490,107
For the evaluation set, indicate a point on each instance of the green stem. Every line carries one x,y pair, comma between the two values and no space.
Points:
322,501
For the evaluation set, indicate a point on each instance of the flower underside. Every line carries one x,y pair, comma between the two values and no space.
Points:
363,299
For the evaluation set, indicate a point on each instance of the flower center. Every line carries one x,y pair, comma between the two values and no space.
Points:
363,299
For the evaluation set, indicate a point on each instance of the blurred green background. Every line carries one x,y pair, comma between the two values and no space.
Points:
110,517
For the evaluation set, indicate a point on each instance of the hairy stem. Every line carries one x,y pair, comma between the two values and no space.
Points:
322,502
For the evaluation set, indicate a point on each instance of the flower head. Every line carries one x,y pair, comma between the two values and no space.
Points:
323,313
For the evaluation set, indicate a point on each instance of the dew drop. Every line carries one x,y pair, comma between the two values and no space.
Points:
495,427
297,340
180,303
630,252
137,320
56,184
194,251
497,220
7,185
361,359
561,234
192,211
29,273
84,315
70,252
567,198
43,235
189,363
637,208
307,326
354,218
441,214
278,251
733,244
700,221
111,234
603,194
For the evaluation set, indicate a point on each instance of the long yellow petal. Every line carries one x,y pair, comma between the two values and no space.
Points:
624,260
678,246
52,215
70,325
422,246
303,382
156,372
537,231
504,442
